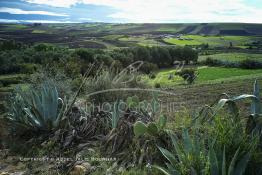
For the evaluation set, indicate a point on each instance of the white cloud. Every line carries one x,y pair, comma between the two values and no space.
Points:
172,10
33,21
8,21
46,21
86,19
55,3
24,12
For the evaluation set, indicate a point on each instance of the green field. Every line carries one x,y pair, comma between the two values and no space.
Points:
141,40
39,31
205,75
233,57
237,41
219,73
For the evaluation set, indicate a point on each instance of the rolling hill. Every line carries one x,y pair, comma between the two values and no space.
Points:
107,35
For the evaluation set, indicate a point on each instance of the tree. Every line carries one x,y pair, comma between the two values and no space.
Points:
176,53
106,59
230,44
189,55
141,54
148,67
189,75
85,54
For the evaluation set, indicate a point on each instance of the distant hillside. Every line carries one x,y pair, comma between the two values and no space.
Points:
106,35
235,29
105,28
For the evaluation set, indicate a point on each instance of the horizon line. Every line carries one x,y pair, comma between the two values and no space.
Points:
101,22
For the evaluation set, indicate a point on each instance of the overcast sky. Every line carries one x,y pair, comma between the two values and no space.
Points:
135,11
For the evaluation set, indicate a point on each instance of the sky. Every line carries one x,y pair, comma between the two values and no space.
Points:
131,11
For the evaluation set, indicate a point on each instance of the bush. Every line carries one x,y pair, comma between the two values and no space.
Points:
62,82
211,62
28,68
188,74
157,85
44,47
250,64
148,67
152,76
108,86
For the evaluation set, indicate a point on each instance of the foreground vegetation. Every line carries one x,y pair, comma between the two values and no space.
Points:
215,140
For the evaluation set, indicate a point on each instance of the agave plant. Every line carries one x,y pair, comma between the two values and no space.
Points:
254,123
188,156
196,155
218,163
37,109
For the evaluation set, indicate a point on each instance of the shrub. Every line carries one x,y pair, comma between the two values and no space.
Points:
148,67
28,68
157,85
64,84
211,62
44,47
152,76
108,86
250,64
188,74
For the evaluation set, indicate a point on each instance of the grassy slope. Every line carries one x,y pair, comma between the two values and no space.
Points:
234,57
206,75
216,73
239,41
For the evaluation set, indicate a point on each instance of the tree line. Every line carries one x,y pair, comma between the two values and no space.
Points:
20,58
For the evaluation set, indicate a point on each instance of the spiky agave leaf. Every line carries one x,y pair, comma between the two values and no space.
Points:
115,114
242,164
214,168
256,104
169,156
222,102
237,164
187,155
224,162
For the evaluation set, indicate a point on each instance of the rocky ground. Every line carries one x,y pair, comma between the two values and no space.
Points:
14,165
